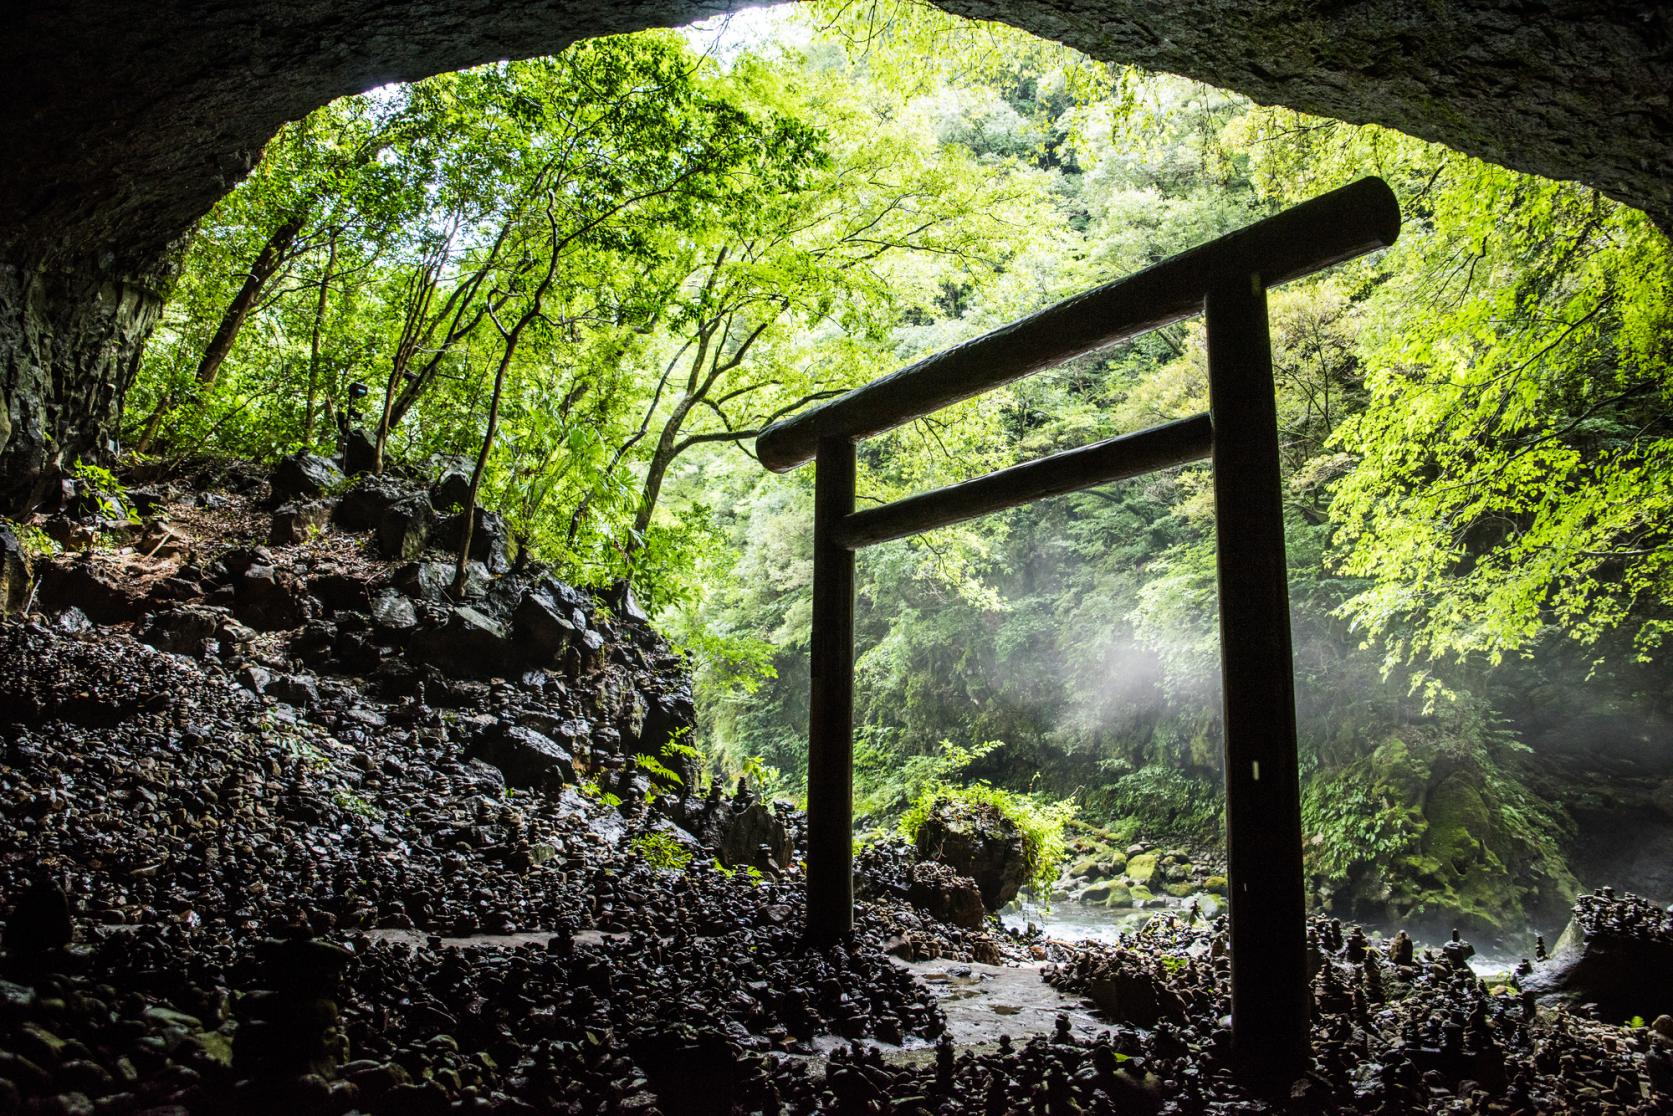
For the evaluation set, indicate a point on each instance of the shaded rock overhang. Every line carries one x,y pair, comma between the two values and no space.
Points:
126,122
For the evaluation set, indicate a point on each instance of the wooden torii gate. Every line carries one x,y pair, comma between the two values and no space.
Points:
1226,280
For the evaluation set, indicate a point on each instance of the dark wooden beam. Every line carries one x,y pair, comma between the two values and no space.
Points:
830,750
1269,979
1130,455
1299,241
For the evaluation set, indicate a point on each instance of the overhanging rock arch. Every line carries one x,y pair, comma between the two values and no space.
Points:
1226,280
126,122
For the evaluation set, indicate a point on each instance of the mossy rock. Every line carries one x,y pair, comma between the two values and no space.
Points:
1181,890
1217,885
1089,867
1118,896
1142,894
1117,861
1141,869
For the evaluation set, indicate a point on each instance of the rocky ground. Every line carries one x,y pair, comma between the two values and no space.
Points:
283,825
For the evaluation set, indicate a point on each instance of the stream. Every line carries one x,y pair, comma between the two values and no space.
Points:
1071,921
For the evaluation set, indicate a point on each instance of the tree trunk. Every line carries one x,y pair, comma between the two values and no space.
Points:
314,346
70,343
266,263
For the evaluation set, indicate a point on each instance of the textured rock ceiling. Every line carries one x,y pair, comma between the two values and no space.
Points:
126,121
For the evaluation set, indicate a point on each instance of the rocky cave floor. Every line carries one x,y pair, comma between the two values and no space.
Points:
284,829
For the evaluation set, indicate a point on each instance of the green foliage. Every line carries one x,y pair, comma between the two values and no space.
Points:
36,543
661,850
1162,803
107,493
1042,824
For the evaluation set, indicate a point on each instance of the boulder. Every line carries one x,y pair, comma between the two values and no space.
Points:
393,611
305,476
185,630
341,592
947,896
404,528
432,580
270,601
453,486
80,584
470,644
360,453
15,573
527,758
363,506
491,542
1141,869
755,837
978,841
298,521
546,622
1617,953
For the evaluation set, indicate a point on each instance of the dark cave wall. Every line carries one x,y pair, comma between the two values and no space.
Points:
126,122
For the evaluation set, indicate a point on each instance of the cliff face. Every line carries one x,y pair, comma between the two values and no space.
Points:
127,124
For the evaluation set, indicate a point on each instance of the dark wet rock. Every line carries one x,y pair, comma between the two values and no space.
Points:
341,592
432,580
548,620
946,895
368,499
491,541
305,476
298,521
393,611
527,758
403,528
1617,955
453,485
360,453
469,644
79,584
754,836
625,605
976,840
16,576
293,689
186,630
271,601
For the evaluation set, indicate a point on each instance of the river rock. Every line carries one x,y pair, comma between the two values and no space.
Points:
978,841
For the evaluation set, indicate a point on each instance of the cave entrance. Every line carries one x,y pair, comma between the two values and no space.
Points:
1226,281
